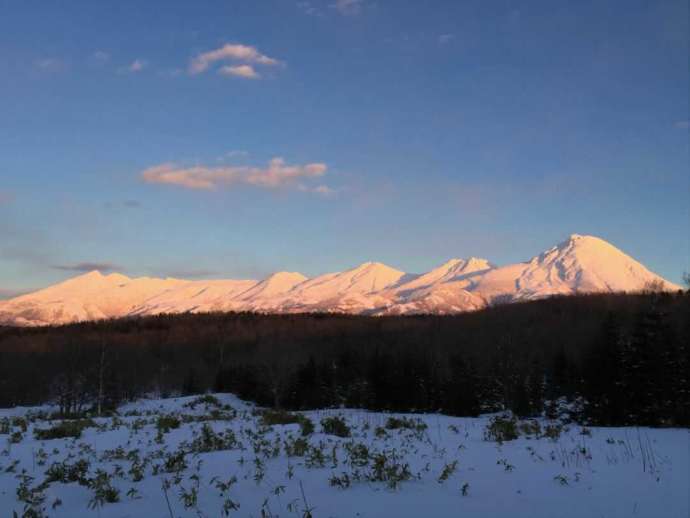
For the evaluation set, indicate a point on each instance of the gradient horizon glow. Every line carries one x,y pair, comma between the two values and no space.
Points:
237,138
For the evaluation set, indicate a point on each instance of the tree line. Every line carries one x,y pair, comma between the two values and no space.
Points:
612,359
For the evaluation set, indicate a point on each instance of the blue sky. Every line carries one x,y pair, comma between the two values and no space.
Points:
235,138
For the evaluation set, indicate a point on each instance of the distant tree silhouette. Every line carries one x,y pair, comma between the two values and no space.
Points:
623,358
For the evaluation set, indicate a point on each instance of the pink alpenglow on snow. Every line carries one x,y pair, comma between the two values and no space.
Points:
581,264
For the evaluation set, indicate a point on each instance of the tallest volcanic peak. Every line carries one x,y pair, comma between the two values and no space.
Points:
590,243
577,242
585,238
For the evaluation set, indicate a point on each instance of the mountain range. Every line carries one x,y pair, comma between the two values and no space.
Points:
581,264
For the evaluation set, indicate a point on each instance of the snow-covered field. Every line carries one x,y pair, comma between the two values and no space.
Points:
218,456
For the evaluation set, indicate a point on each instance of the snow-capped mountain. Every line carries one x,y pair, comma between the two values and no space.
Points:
580,264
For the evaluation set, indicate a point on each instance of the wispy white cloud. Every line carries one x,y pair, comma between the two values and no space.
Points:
101,56
137,66
244,71
276,175
682,124
230,52
444,39
49,64
233,153
323,190
348,7
308,8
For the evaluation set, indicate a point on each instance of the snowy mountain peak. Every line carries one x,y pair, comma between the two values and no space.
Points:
579,264
117,277
579,241
91,277
374,267
451,264
377,275
468,265
448,271
90,282
474,264
586,264
287,277
275,284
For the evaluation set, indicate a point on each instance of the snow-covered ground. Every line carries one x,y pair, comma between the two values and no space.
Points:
218,456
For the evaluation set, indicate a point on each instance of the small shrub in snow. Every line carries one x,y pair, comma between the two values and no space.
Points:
395,423
335,426
343,481
208,400
64,429
103,491
273,417
32,497
501,429
296,447
358,454
137,470
175,463
208,440
315,457
387,467
11,466
561,479
190,497
552,431
306,425
531,427
165,423
65,472
20,422
447,471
